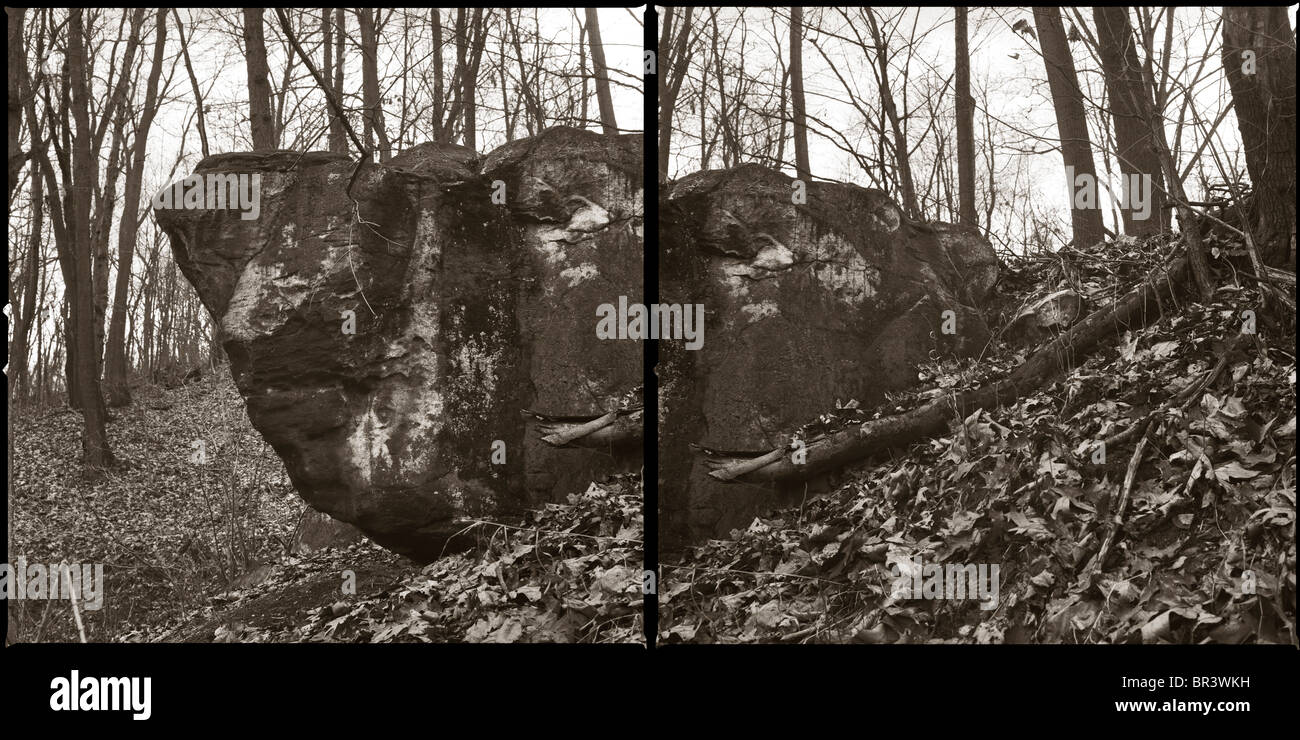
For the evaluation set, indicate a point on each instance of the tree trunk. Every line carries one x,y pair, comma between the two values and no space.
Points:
115,385
94,441
968,216
799,115
730,147
670,80
17,64
901,156
119,110
469,80
535,120
31,288
259,90
1134,148
600,74
1266,114
1071,122
337,143
374,107
340,34
439,105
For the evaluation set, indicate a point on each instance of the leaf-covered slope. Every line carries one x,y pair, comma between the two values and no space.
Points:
180,567
1205,550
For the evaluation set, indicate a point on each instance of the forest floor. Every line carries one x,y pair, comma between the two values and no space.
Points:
196,525
195,528
1206,549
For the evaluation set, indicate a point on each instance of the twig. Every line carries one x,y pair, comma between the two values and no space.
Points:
72,593
550,532
1118,520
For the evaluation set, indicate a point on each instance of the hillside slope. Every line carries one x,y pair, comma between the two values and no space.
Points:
196,532
1205,546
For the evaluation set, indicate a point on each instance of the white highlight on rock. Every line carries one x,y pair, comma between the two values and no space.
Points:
760,311
589,218
580,274
774,256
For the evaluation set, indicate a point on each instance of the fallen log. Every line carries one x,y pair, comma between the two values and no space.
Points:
618,428
1136,309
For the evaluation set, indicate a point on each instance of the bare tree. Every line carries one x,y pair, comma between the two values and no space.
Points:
902,155
965,125
1259,57
337,142
115,385
336,79
371,101
94,441
439,99
600,74
1134,148
259,90
528,79
1071,122
800,117
471,38
200,112
673,63
17,63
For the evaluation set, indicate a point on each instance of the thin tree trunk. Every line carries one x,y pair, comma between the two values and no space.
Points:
94,445
583,94
1071,122
200,114
31,287
536,117
511,117
337,142
670,80
374,106
901,157
259,90
1135,150
601,74
17,67
115,385
729,144
469,81
439,104
800,118
965,127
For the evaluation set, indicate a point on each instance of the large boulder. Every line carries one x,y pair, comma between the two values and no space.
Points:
388,324
806,304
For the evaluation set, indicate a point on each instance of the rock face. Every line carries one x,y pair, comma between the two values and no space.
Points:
834,299
388,323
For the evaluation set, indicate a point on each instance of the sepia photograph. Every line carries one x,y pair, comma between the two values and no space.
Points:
1001,325
300,341
518,365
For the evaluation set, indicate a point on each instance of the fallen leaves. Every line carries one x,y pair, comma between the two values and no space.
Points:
1204,553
